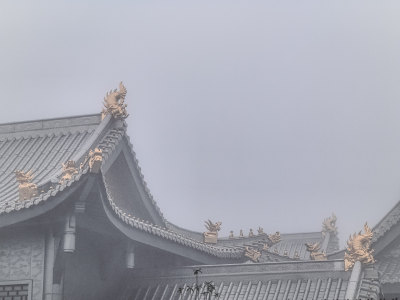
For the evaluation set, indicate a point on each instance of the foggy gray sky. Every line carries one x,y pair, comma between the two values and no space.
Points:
270,113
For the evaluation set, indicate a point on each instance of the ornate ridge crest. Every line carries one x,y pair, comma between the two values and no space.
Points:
260,230
274,238
315,254
329,225
27,189
252,253
359,249
94,160
69,170
114,103
211,235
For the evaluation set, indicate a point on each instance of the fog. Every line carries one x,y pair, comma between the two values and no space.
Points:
253,113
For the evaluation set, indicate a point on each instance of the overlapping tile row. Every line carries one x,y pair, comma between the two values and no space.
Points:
391,219
301,289
266,281
108,144
369,289
43,153
144,183
289,248
388,264
223,252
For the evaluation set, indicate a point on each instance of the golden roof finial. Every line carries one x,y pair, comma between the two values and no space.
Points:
252,253
329,225
27,189
69,170
211,236
359,249
260,230
315,254
94,160
114,103
275,238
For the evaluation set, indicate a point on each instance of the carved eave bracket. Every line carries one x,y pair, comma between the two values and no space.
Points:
27,189
359,249
211,235
252,253
329,225
69,170
94,160
114,103
315,254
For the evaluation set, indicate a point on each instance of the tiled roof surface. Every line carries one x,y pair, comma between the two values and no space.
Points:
289,247
40,146
388,263
326,289
312,280
387,222
285,249
222,252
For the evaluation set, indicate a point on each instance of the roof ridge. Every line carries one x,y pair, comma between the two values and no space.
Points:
51,119
50,124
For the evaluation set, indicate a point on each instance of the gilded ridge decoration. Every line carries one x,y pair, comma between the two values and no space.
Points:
275,238
94,160
69,170
329,225
211,235
359,249
27,189
252,253
315,254
114,103
260,230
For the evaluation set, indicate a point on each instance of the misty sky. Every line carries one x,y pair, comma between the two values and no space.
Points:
253,113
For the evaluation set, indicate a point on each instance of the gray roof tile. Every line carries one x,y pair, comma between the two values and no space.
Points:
312,280
36,146
42,146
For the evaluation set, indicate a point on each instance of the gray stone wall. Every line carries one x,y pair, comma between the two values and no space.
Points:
22,258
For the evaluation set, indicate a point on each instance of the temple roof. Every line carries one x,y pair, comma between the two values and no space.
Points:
386,242
44,145
288,280
41,146
391,219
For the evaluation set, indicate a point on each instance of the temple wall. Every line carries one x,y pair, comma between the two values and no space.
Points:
22,260
95,270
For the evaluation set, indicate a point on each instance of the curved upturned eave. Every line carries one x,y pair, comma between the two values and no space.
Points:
44,203
161,238
30,208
